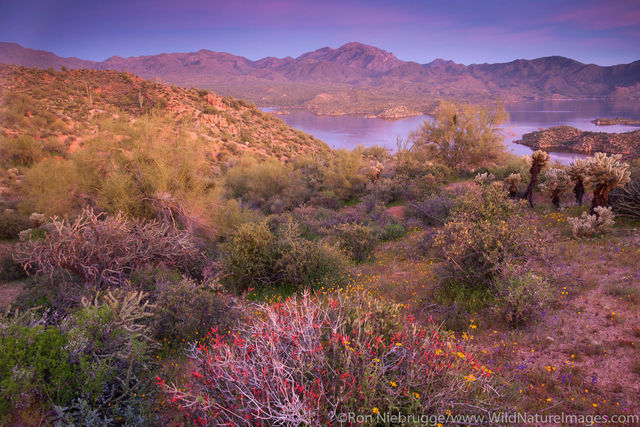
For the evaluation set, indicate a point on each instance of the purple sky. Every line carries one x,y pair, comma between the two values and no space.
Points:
604,32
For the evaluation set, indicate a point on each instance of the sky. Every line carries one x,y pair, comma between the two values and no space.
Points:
603,32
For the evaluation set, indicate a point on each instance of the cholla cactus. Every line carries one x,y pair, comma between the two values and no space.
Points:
556,184
604,173
591,225
37,219
511,183
578,172
484,178
539,160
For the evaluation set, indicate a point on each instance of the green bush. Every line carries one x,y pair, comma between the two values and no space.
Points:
34,364
187,310
254,257
12,223
393,232
20,151
486,233
357,240
10,269
521,297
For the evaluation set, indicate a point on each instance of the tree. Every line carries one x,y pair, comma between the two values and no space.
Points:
539,160
604,173
556,184
577,172
462,136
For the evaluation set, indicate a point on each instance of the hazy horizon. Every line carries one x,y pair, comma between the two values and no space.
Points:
599,32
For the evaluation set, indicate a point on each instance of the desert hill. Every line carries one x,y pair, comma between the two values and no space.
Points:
64,108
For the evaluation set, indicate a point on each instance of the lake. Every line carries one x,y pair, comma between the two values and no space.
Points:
351,131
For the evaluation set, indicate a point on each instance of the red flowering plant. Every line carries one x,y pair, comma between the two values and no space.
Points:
308,360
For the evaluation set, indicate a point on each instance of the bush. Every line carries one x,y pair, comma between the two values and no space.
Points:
307,361
433,211
12,223
104,250
521,297
357,240
10,269
97,355
20,151
186,310
255,257
486,232
393,232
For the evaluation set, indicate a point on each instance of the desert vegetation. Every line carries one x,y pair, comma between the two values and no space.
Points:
194,260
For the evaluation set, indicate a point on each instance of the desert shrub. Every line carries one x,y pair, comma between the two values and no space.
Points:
97,355
521,297
12,223
484,178
255,257
20,151
249,257
104,250
393,232
357,240
486,232
303,263
53,187
625,201
433,211
462,136
10,269
589,225
306,361
187,309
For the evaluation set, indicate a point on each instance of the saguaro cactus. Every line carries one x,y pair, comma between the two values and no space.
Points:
604,173
556,184
577,172
539,160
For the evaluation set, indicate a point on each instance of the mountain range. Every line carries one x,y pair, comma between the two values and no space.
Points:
359,79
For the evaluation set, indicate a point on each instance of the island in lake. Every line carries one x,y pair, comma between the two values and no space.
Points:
570,139
616,121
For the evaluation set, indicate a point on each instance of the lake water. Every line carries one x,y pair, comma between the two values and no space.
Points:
351,131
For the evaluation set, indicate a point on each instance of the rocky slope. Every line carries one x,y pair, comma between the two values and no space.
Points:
570,139
371,80
62,109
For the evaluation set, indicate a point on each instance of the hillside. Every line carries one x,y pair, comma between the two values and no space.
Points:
62,109
567,138
341,81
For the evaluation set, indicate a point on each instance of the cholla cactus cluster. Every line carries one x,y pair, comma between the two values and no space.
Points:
484,178
556,184
604,173
511,183
578,173
591,225
539,160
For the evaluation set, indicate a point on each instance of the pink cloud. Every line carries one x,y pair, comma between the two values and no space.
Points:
602,16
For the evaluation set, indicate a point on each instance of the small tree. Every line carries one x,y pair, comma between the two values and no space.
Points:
462,136
604,173
511,183
539,160
556,184
577,172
